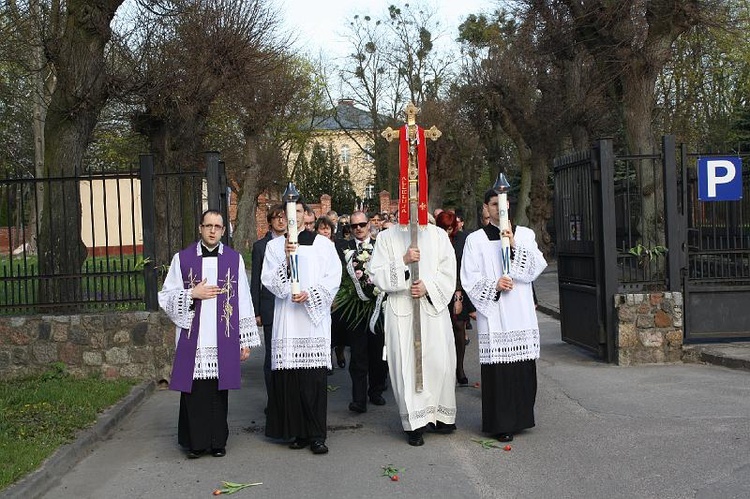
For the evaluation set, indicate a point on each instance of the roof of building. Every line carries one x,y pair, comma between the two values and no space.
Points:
345,116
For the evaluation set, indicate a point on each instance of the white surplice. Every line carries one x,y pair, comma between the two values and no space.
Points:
302,331
507,326
175,300
437,269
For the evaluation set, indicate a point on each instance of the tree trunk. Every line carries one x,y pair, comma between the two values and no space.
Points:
177,197
79,96
638,92
245,232
540,209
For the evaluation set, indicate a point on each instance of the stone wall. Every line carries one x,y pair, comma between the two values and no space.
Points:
115,344
649,328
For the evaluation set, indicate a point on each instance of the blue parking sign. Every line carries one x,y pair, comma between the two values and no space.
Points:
720,179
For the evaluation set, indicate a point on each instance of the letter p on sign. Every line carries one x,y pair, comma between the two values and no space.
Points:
719,179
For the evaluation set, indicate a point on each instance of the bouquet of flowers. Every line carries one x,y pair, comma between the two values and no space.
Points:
358,298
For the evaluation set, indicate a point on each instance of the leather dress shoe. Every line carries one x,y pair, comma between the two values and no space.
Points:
318,447
340,359
219,452
377,399
415,438
357,407
444,428
299,443
505,437
195,454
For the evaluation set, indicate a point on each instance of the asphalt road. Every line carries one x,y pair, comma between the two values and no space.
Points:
667,431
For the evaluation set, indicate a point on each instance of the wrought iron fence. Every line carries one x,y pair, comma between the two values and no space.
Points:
132,221
639,215
718,232
112,274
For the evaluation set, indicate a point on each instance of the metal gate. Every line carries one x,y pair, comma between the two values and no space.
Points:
717,281
583,219
611,240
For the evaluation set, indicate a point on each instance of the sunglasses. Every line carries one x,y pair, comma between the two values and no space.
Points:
360,225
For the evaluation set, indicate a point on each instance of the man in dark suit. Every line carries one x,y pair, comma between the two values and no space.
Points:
263,299
366,363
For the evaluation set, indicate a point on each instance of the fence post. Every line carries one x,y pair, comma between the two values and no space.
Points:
212,179
606,239
675,233
148,209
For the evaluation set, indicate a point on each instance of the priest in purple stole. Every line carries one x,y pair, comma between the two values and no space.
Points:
207,295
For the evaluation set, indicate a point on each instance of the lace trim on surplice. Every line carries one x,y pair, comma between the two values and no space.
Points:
249,336
206,363
523,265
394,274
280,285
318,304
300,353
178,308
415,419
509,346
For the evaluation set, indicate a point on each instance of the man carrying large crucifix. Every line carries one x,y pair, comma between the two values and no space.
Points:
417,268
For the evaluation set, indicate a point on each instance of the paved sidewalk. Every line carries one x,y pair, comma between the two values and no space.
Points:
673,431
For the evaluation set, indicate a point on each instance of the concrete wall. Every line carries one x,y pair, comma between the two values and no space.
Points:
115,344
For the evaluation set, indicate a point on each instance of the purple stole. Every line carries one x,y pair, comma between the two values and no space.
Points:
227,321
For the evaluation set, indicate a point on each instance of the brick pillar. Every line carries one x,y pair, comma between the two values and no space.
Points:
385,201
325,204
261,215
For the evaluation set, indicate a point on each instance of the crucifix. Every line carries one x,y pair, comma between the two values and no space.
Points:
412,204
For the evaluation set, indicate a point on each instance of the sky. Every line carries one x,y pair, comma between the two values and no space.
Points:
320,24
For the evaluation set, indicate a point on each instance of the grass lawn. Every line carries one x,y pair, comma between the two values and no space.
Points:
38,415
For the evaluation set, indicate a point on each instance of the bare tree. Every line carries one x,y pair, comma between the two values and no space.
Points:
74,36
631,42
196,54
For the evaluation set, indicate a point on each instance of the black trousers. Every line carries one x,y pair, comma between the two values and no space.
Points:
299,404
367,368
508,396
203,416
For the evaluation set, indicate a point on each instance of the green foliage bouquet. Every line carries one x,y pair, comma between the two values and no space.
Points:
358,298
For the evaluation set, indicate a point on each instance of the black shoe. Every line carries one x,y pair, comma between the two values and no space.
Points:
340,359
299,443
219,452
415,438
318,447
444,428
357,407
463,381
377,399
195,454
505,437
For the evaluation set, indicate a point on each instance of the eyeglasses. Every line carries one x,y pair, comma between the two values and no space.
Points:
360,225
212,226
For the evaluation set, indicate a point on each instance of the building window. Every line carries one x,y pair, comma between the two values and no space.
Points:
369,191
344,152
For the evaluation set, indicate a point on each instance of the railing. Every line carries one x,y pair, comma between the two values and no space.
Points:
128,217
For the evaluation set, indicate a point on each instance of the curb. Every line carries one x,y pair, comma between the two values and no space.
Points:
702,354
36,483
548,310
